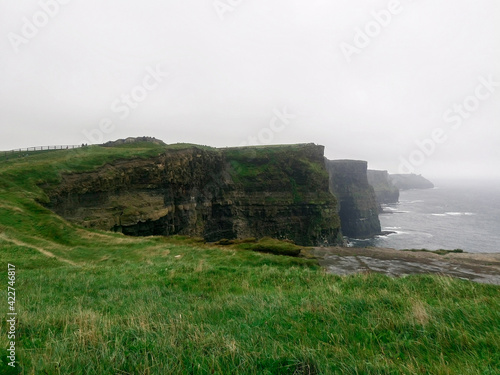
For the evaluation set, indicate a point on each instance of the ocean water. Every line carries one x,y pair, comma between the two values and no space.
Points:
454,215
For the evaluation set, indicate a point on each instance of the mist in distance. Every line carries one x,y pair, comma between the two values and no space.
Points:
409,86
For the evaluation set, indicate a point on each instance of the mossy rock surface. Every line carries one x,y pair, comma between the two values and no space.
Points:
272,246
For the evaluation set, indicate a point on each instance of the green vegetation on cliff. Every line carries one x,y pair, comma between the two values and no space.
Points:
278,191
92,302
146,188
292,182
20,181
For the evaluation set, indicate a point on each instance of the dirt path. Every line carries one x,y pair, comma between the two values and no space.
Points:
483,268
39,249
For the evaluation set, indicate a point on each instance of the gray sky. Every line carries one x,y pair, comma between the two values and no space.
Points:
367,79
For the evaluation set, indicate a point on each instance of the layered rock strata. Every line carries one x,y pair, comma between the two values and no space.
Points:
357,202
278,191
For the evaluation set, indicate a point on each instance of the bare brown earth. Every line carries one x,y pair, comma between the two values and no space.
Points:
483,268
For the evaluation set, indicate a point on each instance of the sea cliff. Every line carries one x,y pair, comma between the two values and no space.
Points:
277,191
357,202
385,191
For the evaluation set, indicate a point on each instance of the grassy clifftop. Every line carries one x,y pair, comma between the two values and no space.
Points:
92,302
20,181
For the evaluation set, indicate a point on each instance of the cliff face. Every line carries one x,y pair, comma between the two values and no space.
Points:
410,181
385,191
357,201
279,191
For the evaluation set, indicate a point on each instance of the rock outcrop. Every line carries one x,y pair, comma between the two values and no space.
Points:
385,191
278,191
410,181
358,206
134,140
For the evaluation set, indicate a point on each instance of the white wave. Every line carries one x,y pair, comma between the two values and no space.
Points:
460,213
390,208
455,214
395,233
425,234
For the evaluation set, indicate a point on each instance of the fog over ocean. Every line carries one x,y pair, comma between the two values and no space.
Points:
454,215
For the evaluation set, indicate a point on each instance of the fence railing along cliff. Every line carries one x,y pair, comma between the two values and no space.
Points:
20,151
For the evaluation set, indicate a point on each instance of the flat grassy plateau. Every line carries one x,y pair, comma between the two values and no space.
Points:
91,302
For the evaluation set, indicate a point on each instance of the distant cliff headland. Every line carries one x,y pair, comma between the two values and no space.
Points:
410,181
288,192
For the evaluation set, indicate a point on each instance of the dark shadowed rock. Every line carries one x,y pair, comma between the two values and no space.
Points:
358,206
278,191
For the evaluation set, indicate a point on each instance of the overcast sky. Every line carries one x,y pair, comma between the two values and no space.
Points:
367,79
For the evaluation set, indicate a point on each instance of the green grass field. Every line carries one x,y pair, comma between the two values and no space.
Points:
91,302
